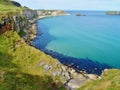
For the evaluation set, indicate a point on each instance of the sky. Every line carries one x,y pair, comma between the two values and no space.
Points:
72,4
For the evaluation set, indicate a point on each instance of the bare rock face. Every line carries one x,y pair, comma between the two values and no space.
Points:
75,83
63,68
41,64
46,67
92,76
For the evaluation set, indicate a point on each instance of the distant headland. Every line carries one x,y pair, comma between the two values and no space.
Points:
113,12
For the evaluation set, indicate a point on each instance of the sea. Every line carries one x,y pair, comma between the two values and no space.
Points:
89,42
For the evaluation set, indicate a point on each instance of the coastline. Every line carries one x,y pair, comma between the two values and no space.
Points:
31,29
74,74
32,34
88,66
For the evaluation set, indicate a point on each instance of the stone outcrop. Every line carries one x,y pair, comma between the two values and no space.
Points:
5,23
70,78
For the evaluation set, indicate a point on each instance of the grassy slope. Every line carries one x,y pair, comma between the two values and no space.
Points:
110,81
19,68
8,6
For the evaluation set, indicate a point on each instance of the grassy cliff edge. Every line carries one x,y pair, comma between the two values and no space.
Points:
19,65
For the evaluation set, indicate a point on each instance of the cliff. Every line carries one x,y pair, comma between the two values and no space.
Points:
27,67
23,67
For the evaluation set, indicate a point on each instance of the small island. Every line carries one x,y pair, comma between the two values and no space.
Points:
113,13
78,14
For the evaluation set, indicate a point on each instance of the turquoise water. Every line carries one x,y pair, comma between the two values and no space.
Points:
95,36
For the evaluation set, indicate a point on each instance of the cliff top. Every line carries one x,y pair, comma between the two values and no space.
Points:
7,5
110,81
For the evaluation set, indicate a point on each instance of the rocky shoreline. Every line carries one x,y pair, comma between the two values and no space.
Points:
72,78
31,30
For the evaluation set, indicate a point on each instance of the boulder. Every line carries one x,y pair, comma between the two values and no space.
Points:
41,64
63,68
54,74
46,67
67,75
75,83
92,76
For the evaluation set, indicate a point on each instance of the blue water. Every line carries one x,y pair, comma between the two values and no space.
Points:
95,36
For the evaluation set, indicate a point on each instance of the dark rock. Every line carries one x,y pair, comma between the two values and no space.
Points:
78,14
16,3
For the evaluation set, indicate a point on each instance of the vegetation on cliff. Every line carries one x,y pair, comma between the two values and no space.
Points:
19,65
10,6
110,80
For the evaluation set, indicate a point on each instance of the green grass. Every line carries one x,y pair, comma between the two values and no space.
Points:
22,33
23,81
19,62
8,6
110,81
19,65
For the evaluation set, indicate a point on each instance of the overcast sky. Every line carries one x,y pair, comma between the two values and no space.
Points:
72,4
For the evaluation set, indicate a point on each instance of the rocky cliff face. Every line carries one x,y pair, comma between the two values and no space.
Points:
20,20
17,21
